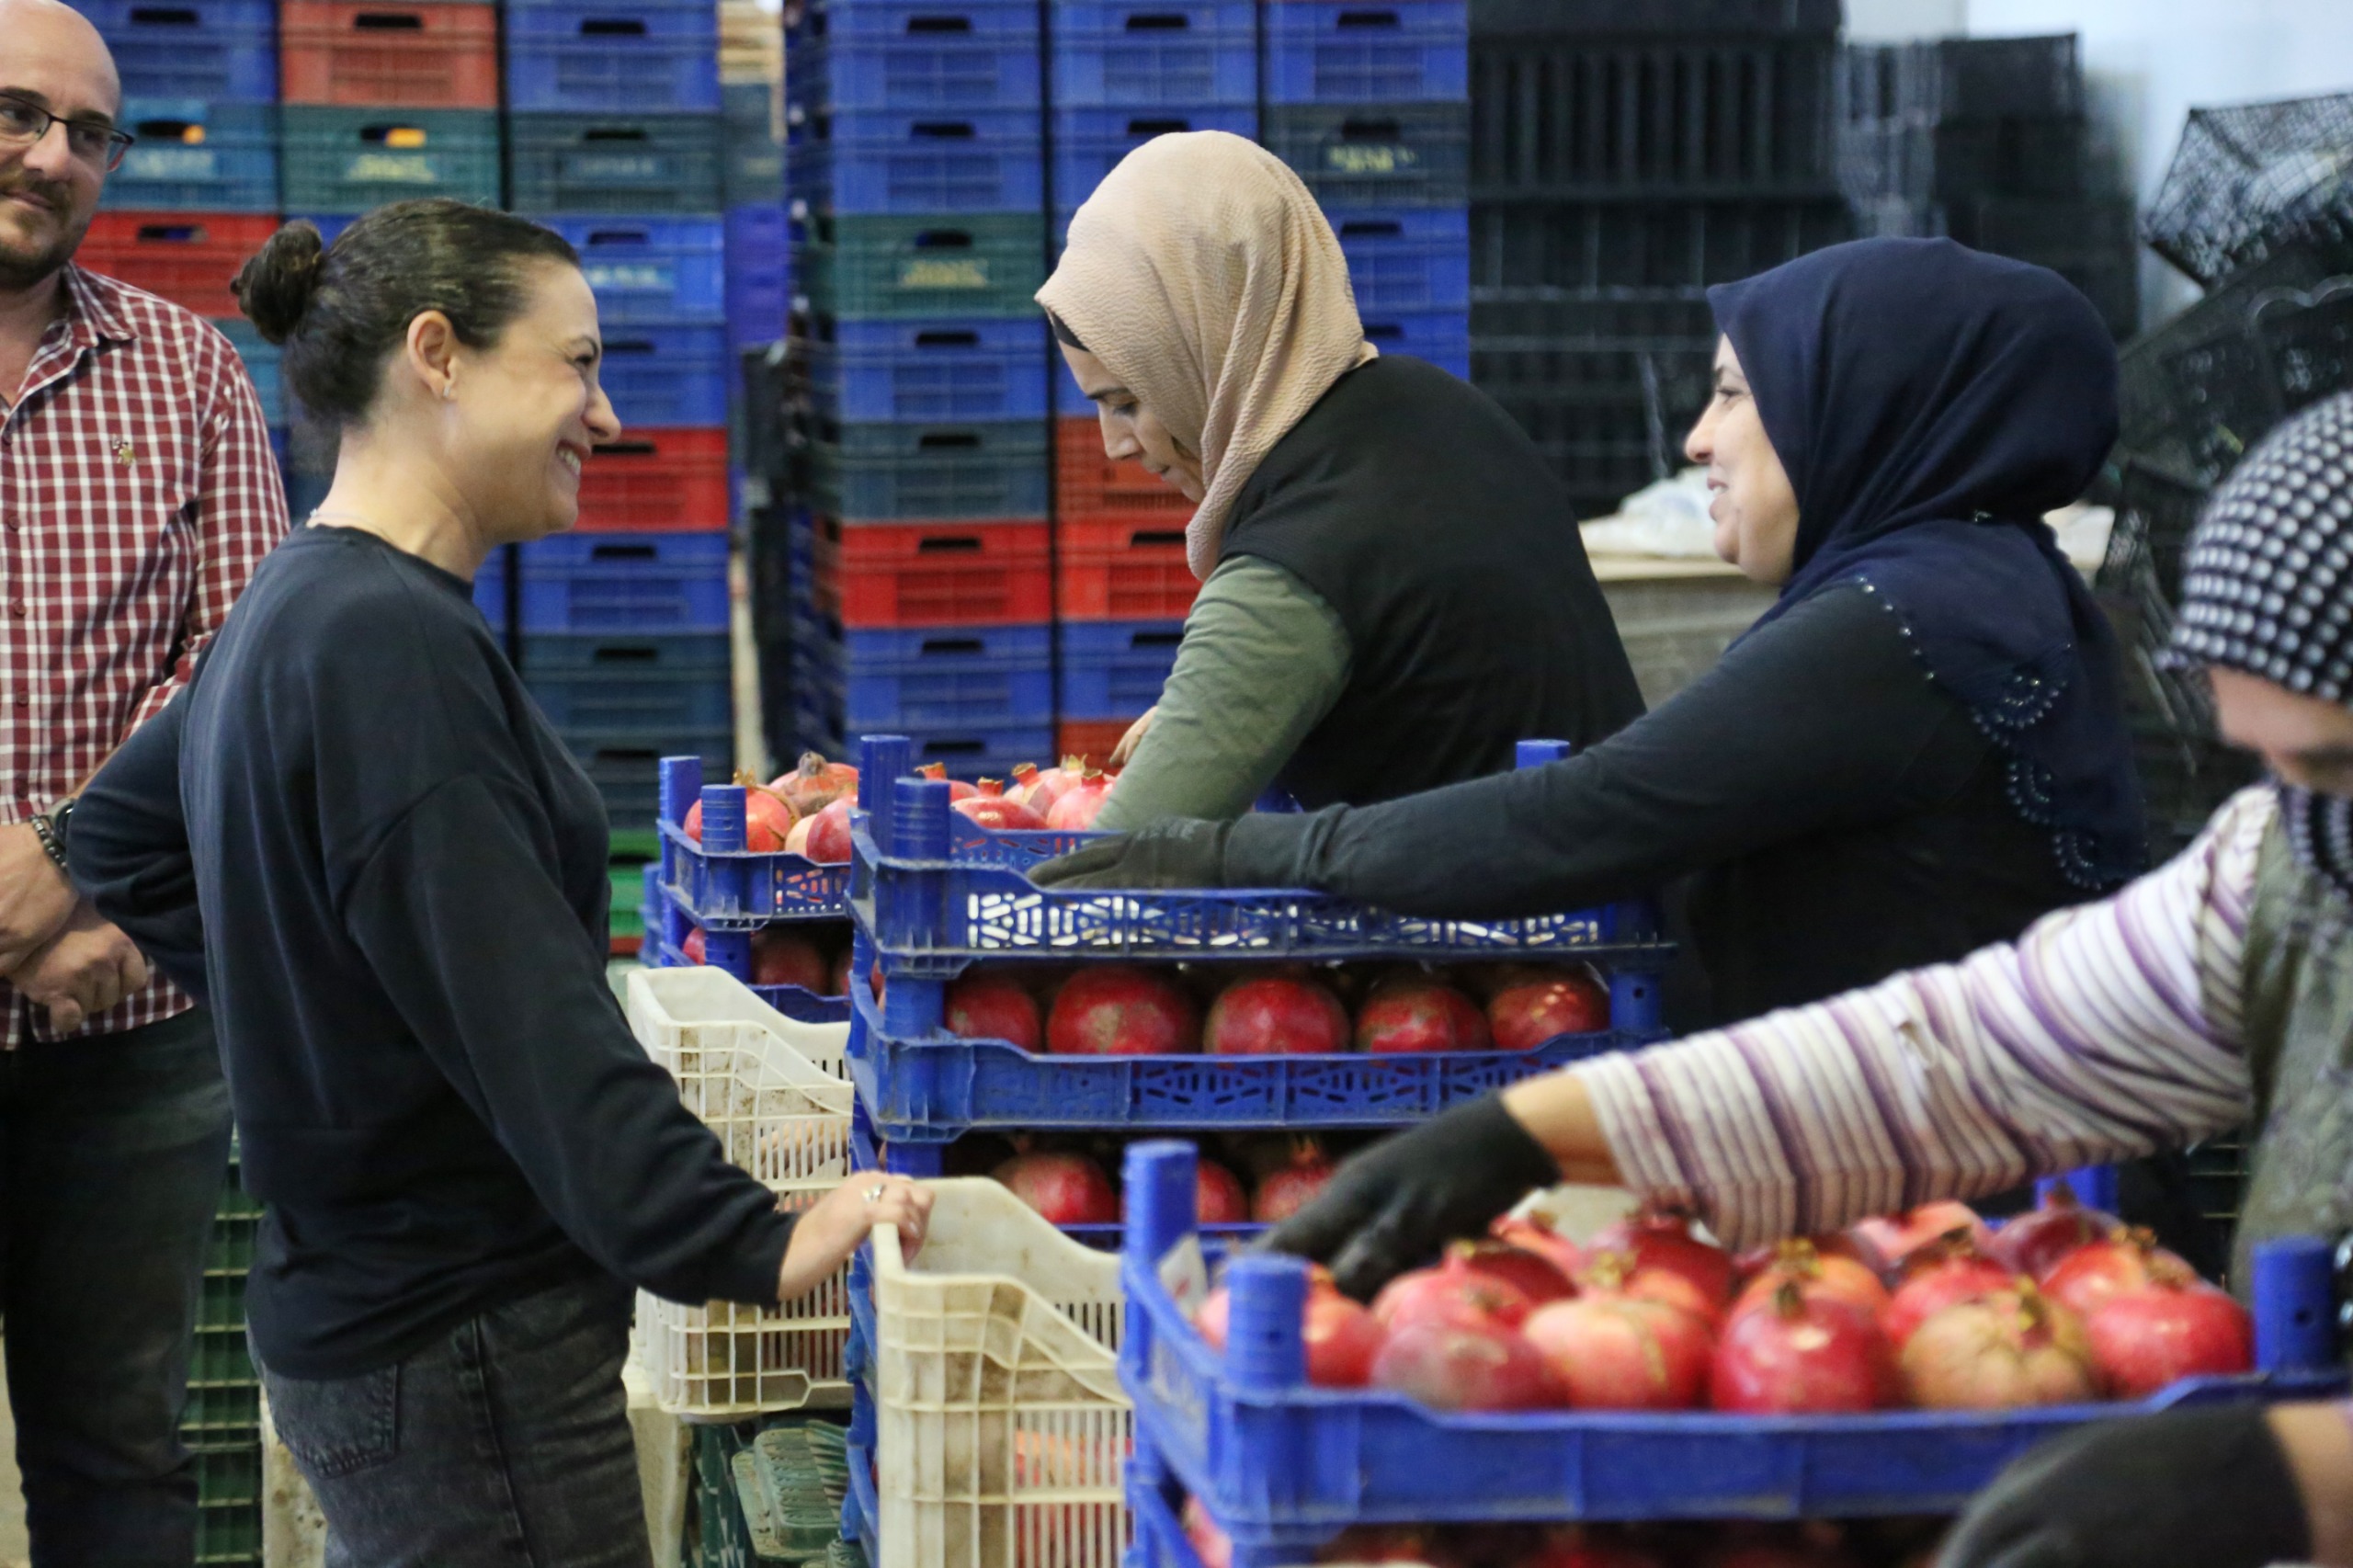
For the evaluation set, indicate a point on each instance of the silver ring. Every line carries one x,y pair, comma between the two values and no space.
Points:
874,1194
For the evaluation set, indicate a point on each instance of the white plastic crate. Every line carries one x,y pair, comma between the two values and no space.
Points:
1001,1431
776,1092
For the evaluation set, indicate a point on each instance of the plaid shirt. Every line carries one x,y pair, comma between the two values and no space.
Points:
138,493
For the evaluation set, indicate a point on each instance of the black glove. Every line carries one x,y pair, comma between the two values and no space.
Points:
1176,852
2184,1489
1395,1204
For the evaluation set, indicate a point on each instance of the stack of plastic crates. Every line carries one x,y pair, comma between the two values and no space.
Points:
199,191
1623,157
919,563
983,1369
770,1491
222,1422
1987,140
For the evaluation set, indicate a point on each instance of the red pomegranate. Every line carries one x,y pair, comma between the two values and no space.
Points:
1534,1232
1068,1190
1210,1544
1661,1239
1888,1243
1815,1273
1275,1016
692,947
1416,1012
993,808
991,1004
2035,1243
2124,1259
1218,1198
1622,1273
1469,1364
1284,1192
1953,1271
1074,808
957,789
1612,1351
2010,1349
1453,1291
823,838
1341,1336
1045,787
1122,1010
1537,1275
813,784
1578,1546
1798,1356
786,958
2146,1337
1432,1546
768,821
1749,1265
1526,1013
1775,1554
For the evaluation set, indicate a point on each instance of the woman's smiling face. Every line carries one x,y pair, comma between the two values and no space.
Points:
1750,497
1131,430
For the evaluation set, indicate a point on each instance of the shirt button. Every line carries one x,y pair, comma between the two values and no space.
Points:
16,606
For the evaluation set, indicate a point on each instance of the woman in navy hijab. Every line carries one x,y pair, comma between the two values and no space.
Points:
1916,751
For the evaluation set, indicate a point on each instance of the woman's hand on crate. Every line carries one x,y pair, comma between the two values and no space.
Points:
1176,852
831,1228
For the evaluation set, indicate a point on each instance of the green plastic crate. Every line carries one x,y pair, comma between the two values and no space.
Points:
215,1410
231,1250
229,1534
900,269
627,920
221,1307
636,844
348,160
228,1474
221,1359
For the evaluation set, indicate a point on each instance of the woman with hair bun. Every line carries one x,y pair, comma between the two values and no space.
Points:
357,838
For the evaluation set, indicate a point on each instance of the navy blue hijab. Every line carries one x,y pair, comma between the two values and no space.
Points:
1931,404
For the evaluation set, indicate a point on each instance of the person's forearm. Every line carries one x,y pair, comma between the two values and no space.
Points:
2318,1440
1558,1111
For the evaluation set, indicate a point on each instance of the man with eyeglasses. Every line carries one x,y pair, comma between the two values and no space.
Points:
137,494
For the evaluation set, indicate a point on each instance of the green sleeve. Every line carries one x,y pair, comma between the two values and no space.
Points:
1263,660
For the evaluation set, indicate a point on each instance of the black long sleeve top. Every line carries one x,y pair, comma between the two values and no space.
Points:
1840,817
357,838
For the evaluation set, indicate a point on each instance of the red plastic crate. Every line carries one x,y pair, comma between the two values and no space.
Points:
1092,739
656,481
1122,567
887,575
1090,483
411,56
189,258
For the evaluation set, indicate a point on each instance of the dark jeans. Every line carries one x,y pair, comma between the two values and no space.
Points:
505,1444
113,1150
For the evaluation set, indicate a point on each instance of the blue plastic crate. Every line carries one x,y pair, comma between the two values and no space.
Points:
1368,51
667,377
607,683
1282,1467
981,751
927,55
197,155
615,162
490,589
922,473
645,55
752,146
878,162
652,270
932,372
727,888
1089,142
1114,669
759,276
1376,154
350,160
666,928
220,50
605,583
626,770
1139,53
1442,337
261,363
990,677
1407,258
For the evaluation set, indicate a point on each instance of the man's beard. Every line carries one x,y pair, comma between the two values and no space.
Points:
22,267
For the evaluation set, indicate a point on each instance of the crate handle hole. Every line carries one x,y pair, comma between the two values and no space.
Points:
954,748
1373,330
396,136
1370,226
965,545
171,233
388,22
622,552
945,130
945,239
166,17
953,645
938,24
619,237
1143,128
947,339
1161,536
625,656
627,449
616,347
1155,640
1358,129
187,131
615,133
613,27
947,440
1159,22
1368,19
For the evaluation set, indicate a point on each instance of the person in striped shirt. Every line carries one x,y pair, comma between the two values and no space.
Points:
2210,994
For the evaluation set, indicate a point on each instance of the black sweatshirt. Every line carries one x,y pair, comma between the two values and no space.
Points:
358,837
1844,816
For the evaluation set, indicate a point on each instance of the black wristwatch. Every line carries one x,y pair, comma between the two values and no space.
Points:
51,830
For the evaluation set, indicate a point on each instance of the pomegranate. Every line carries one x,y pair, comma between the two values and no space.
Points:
1612,1351
1525,1015
1210,1544
1074,808
1465,1364
813,784
1749,1265
823,838
985,1005
1218,1198
1953,1271
1796,1356
2013,1347
2034,1244
2145,1337
1888,1243
1816,1273
1275,1016
1534,1232
768,821
1432,1546
1532,1273
1416,1013
1122,1010
994,810
1285,1192
1453,1292
1341,1336
1775,1554
786,958
1622,1272
1578,1546
1661,1239
1068,1190
2125,1259
957,789
1044,789
692,948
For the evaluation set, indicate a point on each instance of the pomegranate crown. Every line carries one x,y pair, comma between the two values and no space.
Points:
1798,1258
1609,1270
813,765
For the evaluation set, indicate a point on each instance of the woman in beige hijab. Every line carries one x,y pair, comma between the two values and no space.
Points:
1394,588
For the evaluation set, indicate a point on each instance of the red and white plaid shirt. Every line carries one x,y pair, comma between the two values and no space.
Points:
137,495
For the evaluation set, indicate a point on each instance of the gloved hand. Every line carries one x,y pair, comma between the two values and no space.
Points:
2184,1489
1395,1204
1176,852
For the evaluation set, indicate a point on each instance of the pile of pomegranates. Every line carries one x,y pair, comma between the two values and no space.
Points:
1815,1543
1248,1178
803,811
813,954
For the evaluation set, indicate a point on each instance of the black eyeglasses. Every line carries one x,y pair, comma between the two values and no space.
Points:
24,122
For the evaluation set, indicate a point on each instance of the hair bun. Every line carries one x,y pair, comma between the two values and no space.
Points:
277,284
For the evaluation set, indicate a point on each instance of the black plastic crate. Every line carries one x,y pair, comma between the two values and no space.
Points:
2089,241
1713,19
1992,78
1923,162
2251,179
1644,245
1375,154
1604,438
1563,115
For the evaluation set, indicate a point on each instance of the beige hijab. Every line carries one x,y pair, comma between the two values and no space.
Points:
1203,275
